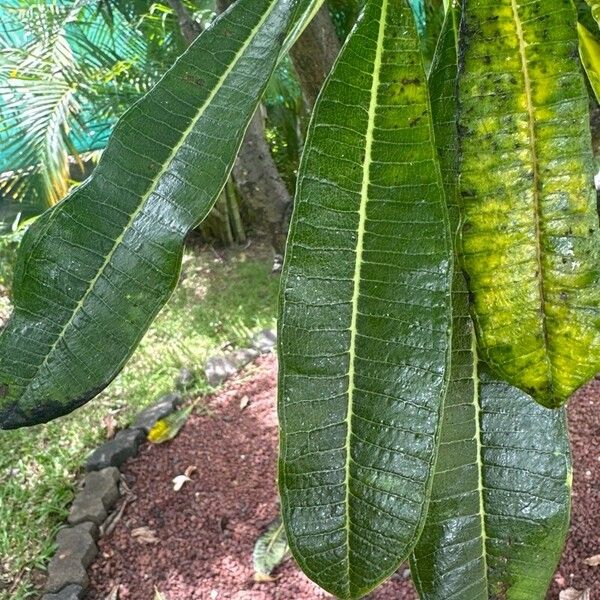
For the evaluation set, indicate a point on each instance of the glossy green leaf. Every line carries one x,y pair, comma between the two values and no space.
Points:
530,239
595,8
499,512
307,9
94,271
499,508
589,52
365,319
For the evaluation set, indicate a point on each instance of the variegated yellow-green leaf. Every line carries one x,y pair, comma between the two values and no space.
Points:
589,51
94,271
499,508
365,319
530,240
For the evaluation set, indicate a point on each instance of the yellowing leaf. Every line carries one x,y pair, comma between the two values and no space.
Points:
157,434
166,429
589,50
530,241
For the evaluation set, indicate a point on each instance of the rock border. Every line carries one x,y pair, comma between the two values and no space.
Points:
103,485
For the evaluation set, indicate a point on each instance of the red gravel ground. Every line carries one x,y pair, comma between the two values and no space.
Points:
208,529
584,538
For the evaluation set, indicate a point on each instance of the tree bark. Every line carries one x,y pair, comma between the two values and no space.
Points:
258,179
313,55
262,188
261,185
190,29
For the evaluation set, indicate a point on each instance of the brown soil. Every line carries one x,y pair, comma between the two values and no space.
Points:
208,529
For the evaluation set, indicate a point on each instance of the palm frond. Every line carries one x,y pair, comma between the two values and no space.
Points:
65,76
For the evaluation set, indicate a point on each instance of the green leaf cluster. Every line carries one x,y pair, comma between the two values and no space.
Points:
441,277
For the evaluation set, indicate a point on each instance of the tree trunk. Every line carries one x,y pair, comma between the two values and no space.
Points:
190,29
313,55
258,179
260,184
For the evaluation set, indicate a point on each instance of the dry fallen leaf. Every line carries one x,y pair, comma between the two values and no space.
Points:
158,595
573,594
560,580
593,561
264,578
145,535
244,402
110,424
180,481
190,470
114,594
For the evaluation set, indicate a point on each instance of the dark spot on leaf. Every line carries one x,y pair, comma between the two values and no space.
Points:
3,390
413,81
190,78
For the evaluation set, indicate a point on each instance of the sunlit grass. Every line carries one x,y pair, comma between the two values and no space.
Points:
220,300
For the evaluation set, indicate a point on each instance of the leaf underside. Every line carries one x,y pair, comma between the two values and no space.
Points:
93,272
530,240
499,509
270,550
364,324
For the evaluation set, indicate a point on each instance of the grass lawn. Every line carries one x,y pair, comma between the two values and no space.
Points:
221,299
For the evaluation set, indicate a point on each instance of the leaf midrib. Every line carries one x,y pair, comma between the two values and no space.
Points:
480,466
364,198
537,208
134,215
